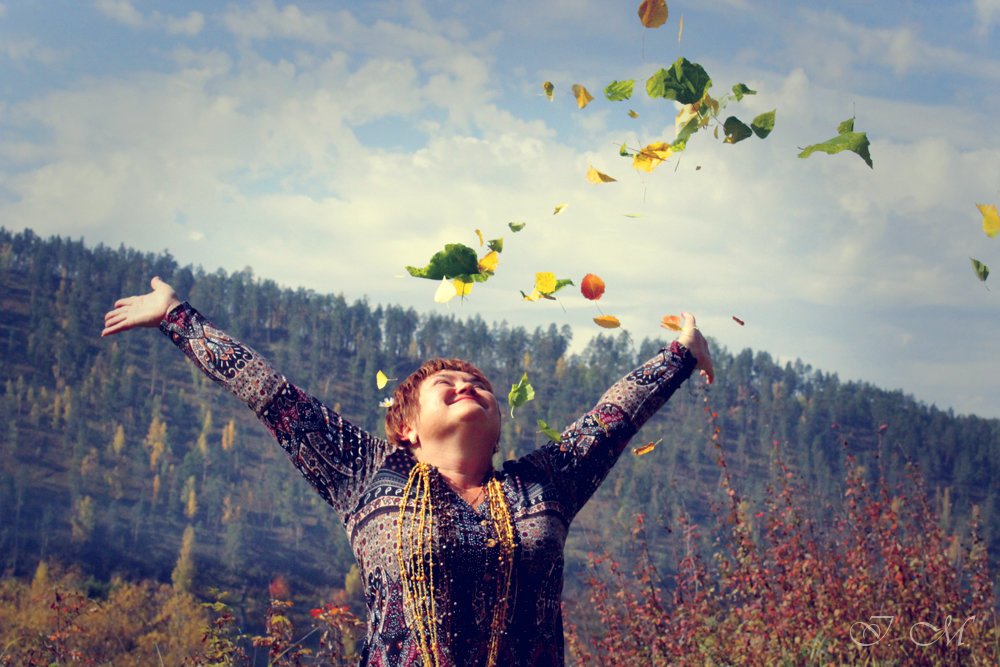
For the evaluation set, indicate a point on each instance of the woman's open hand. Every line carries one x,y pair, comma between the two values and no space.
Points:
145,310
696,344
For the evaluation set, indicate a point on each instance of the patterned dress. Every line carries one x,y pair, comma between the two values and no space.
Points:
363,478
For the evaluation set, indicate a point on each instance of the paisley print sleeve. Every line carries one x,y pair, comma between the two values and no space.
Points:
335,456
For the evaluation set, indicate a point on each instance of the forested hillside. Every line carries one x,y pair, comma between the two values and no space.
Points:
110,449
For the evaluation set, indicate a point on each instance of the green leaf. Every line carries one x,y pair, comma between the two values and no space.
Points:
982,271
847,139
623,151
520,393
549,432
680,141
736,130
616,91
684,81
560,283
495,244
741,89
516,226
455,261
763,124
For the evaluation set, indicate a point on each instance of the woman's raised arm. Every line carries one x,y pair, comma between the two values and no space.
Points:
143,310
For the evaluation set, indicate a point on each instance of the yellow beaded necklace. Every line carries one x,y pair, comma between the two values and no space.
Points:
415,549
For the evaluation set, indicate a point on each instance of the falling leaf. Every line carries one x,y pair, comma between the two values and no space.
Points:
455,260
480,235
683,81
517,226
672,322
635,215
461,288
616,91
736,130
687,113
680,30
646,449
520,393
991,219
488,264
740,89
846,139
583,98
381,380
596,177
653,13
549,432
592,287
982,271
545,282
559,209
652,156
549,89
632,113
445,292
738,321
623,151
607,321
763,124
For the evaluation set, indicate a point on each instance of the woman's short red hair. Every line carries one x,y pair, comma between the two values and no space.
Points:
406,399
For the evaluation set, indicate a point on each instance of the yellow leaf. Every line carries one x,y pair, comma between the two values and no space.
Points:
480,235
991,219
381,380
632,114
653,13
680,29
549,89
607,321
687,112
651,156
534,296
596,177
461,289
445,292
488,264
559,209
645,449
545,282
583,98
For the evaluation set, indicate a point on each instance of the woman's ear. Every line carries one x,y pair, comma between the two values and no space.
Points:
409,432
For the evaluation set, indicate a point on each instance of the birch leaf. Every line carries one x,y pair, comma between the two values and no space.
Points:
559,209
646,449
652,156
632,113
616,91
763,124
480,235
991,219
653,13
549,89
982,271
583,98
736,130
445,292
461,288
520,393
607,321
549,432
672,322
381,380
846,140
597,177
683,81
488,264
516,226
455,260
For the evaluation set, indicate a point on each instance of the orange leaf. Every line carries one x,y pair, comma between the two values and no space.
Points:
672,322
653,13
596,177
592,287
632,114
549,89
607,321
645,449
583,98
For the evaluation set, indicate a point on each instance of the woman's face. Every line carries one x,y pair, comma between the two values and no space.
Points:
452,399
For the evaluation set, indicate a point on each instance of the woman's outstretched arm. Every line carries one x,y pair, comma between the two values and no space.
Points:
335,456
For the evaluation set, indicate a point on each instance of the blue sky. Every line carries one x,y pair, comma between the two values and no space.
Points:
330,144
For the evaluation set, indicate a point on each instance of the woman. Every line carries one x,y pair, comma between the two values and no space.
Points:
462,564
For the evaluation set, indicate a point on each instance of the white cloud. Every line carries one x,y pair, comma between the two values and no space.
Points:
190,25
121,11
987,12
